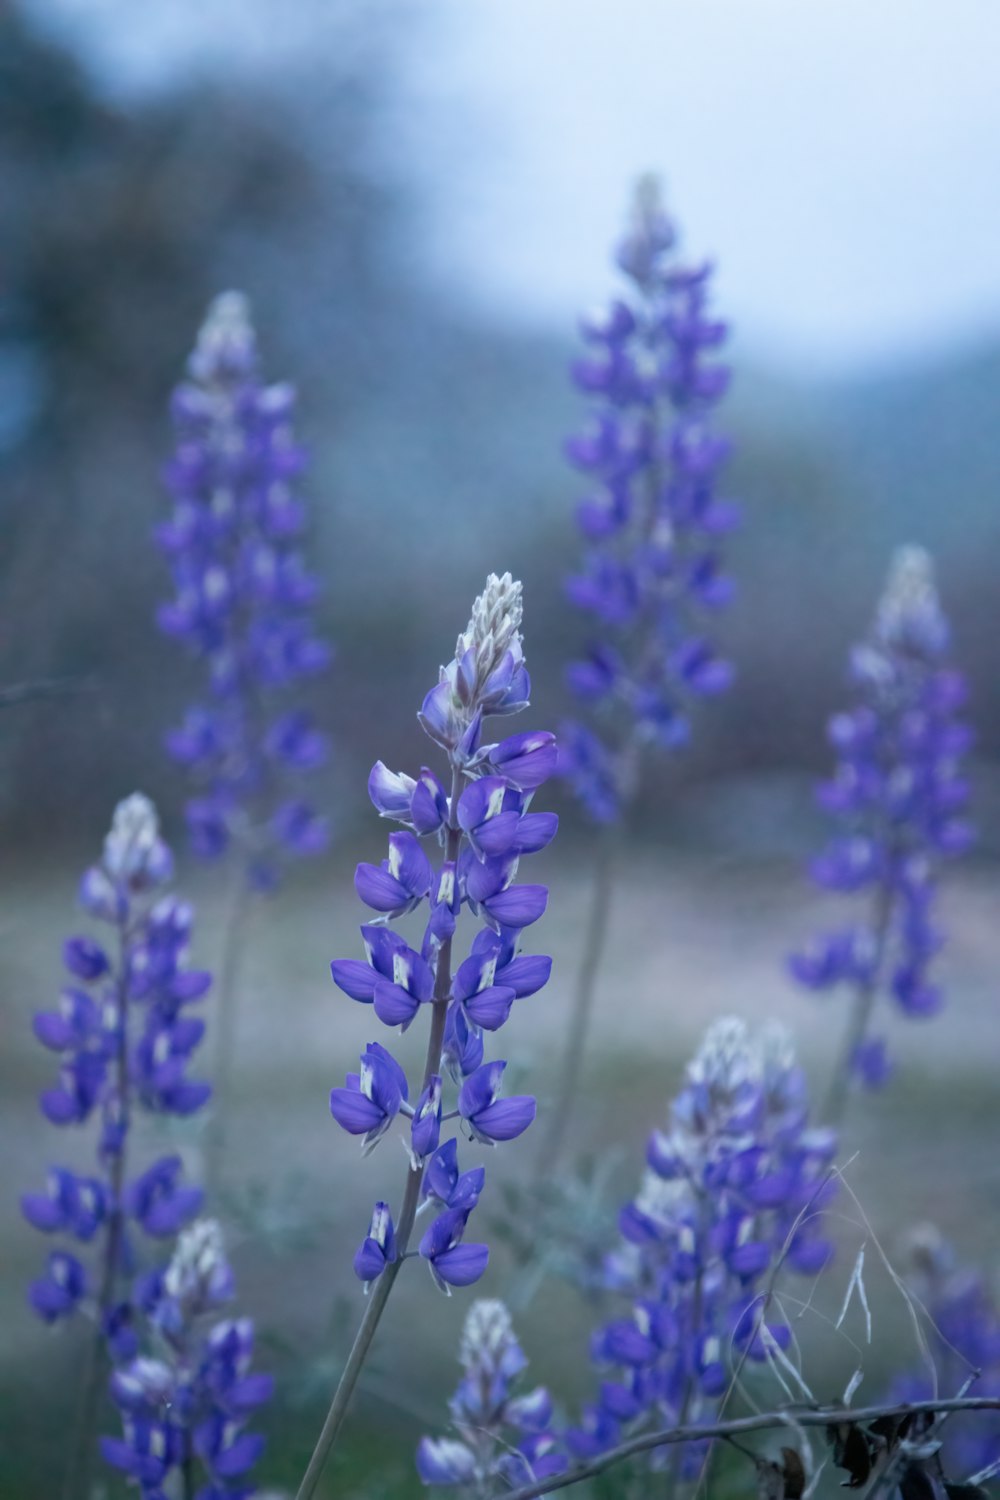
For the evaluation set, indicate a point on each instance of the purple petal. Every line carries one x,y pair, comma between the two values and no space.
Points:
463,1265
354,1112
507,1118
526,976
518,906
490,1008
480,1089
393,1005
354,978
379,890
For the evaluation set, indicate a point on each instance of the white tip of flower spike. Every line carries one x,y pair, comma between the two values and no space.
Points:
494,624
226,344
198,1271
487,1335
133,838
909,616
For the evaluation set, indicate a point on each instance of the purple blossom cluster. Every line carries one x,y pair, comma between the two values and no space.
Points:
965,1314
185,1404
897,795
242,602
653,520
501,1437
719,1206
481,825
124,1035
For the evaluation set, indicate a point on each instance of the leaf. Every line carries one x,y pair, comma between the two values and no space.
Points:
851,1451
794,1474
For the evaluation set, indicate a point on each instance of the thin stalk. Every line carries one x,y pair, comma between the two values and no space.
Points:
78,1473
786,1416
225,1026
861,1013
379,1295
581,1013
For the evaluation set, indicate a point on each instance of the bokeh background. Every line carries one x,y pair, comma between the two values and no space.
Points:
418,198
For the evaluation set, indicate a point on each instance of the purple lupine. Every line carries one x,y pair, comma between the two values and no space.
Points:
125,1035
652,520
458,847
185,1407
242,603
897,796
964,1316
720,1203
502,1438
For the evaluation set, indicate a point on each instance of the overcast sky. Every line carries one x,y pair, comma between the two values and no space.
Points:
840,158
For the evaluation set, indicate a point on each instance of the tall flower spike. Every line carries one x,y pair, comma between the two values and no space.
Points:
501,1438
897,795
125,1034
242,603
651,580
652,522
185,1406
725,1185
460,848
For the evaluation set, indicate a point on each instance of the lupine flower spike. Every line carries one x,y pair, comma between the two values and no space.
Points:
503,1436
185,1403
459,846
726,1183
242,606
125,1034
652,523
897,795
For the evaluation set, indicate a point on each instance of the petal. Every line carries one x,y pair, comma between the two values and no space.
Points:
393,1005
379,890
390,791
518,906
536,830
353,1112
354,978
507,1118
490,1008
480,1088
525,976
463,1265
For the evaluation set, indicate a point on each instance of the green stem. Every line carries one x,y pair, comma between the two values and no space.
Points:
861,1013
379,1294
225,1021
581,1012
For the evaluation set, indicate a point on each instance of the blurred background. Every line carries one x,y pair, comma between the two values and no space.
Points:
418,199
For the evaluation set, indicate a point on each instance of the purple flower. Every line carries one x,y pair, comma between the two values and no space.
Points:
378,1249
897,795
451,1262
651,520
476,831
242,602
500,1435
372,1098
723,1200
490,1118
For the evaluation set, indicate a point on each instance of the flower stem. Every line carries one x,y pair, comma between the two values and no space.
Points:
602,892
225,1030
78,1473
411,1200
864,1003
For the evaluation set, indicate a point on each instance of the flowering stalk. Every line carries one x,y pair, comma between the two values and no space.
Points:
185,1403
897,794
241,605
720,1205
652,525
124,1039
483,827
502,1437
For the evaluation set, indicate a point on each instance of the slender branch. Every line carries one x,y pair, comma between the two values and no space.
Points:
864,1002
44,687
583,1001
226,1012
379,1295
786,1416
78,1473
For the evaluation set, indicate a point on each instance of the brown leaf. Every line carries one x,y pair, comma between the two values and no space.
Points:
794,1474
